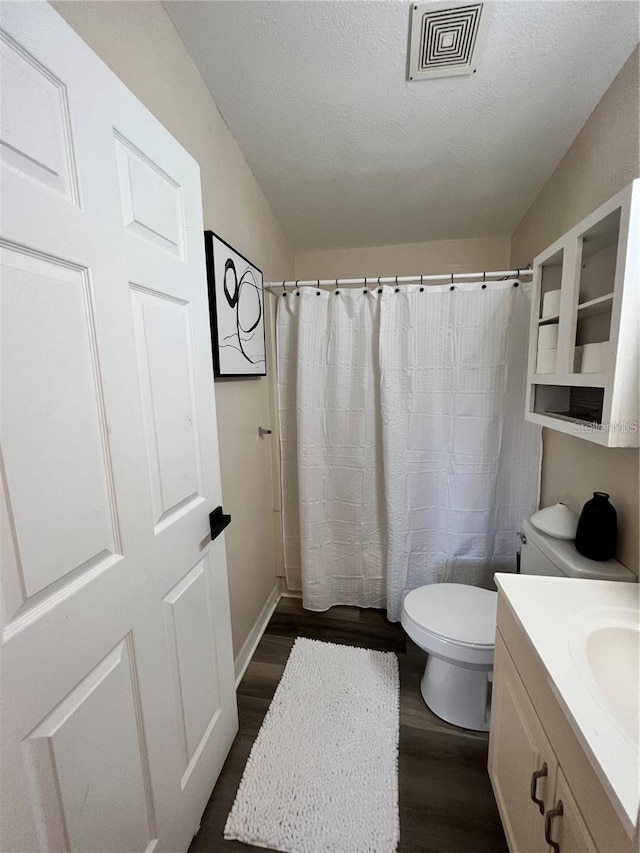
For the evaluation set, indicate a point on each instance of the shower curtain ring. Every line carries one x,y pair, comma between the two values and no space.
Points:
337,291
421,285
284,288
297,288
379,285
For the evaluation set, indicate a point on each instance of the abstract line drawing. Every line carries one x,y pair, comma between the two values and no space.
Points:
236,310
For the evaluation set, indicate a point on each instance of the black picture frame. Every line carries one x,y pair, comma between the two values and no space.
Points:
237,352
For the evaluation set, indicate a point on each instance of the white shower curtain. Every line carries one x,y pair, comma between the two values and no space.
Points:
406,458
330,428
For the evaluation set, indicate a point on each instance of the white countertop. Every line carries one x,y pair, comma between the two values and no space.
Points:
553,612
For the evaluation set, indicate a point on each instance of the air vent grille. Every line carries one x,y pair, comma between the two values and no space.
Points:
445,39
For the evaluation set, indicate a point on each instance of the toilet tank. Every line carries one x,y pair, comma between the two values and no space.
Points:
545,555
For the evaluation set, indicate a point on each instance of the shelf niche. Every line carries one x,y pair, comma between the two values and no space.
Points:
599,253
581,405
550,279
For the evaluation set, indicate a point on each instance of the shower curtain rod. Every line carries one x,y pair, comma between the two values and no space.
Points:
397,279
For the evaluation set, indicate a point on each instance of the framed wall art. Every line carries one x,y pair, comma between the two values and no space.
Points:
236,310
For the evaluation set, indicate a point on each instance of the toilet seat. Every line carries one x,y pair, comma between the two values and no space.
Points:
457,612
454,621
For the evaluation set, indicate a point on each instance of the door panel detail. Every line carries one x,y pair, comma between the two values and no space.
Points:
49,348
152,205
35,131
165,367
90,750
191,641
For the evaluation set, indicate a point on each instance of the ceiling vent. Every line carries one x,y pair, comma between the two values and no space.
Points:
446,39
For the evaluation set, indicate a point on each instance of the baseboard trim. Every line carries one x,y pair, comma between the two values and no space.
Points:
251,643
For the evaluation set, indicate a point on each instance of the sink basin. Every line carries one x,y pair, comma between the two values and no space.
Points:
605,645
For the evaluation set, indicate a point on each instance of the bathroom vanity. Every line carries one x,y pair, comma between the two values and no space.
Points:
563,751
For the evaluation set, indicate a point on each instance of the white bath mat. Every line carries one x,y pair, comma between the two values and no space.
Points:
322,776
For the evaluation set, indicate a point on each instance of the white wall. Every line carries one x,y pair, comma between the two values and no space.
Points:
473,255
603,159
138,41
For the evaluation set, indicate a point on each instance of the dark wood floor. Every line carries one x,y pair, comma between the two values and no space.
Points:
446,801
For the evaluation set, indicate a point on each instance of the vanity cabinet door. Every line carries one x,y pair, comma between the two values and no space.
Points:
522,764
568,830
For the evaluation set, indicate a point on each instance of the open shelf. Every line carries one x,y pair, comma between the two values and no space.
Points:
569,403
595,307
569,418
578,380
550,280
545,321
598,256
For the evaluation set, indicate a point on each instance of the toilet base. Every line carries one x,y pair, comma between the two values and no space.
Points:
458,695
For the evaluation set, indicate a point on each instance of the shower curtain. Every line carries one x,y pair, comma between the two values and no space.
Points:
406,458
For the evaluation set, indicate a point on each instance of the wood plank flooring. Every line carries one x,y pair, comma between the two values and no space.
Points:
446,801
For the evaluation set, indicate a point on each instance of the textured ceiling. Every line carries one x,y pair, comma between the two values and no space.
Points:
349,153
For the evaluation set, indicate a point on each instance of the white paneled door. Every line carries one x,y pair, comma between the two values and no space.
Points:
117,687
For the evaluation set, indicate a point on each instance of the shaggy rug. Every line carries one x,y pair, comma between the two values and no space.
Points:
322,776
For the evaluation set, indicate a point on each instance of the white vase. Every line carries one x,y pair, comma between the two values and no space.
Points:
559,521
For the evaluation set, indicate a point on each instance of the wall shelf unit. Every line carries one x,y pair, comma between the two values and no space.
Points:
583,370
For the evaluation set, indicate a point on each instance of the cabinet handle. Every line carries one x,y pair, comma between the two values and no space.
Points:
538,774
557,812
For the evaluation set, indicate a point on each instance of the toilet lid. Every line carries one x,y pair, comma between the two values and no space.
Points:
455,611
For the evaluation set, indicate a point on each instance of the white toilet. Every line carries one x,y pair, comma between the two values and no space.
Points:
456,624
